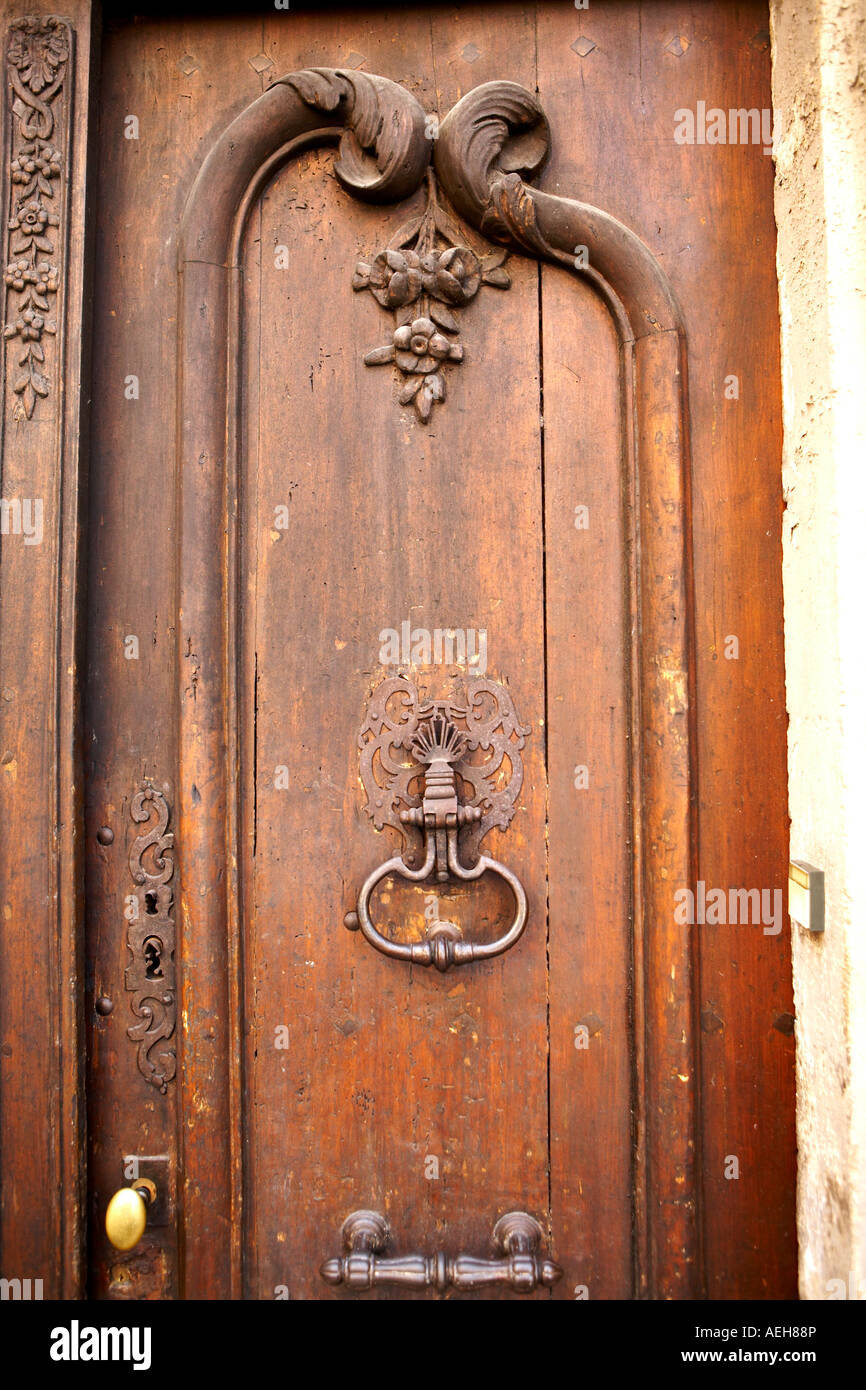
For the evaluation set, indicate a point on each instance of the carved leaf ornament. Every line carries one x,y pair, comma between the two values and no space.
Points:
428,270
37,57
423,283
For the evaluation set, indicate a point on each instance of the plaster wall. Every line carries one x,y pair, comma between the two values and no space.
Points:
819,98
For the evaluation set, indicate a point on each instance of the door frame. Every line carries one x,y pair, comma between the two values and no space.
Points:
42,606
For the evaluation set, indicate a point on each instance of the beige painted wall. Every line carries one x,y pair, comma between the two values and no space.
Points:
819,96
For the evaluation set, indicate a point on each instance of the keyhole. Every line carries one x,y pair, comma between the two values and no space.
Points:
153,958
150,905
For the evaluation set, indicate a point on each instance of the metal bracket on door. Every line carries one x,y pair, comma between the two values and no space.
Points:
474,747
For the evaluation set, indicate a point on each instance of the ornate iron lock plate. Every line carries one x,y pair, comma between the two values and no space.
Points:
150,936
465,761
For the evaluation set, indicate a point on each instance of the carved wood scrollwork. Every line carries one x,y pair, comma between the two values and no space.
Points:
38,59
488,147
150,977
384,149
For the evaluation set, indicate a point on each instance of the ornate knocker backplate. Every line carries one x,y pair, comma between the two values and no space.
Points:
443,774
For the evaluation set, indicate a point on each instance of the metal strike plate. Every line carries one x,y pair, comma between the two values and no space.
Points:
156,1167
806,895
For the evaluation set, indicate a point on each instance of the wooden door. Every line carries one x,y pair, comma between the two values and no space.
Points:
413,358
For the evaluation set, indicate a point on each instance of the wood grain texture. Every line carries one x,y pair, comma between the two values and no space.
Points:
589,663
663,676
362,553
705,212
489,141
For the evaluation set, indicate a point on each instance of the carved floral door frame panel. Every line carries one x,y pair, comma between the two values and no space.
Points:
489,147
48,68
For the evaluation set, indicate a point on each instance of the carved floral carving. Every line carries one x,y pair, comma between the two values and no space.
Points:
427,270
37,64
424,274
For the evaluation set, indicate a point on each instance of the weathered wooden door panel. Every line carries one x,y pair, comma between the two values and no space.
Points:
389,521
443,528
588,497
591,854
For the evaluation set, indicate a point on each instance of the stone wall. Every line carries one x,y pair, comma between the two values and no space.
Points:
819,96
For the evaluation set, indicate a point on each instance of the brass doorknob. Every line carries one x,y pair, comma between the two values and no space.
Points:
126,1213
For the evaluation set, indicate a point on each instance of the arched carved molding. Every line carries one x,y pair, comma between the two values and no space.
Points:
495,139
382,158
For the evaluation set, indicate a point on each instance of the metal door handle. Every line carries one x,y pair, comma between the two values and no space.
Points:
438,745
516,1236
